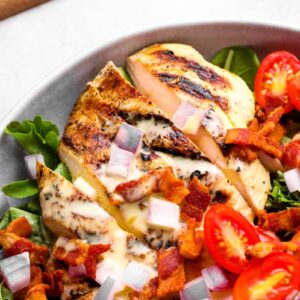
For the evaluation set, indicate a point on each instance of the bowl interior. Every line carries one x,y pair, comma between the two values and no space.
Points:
55,97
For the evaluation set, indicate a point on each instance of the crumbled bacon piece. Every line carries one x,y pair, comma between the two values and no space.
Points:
20,227
190,241
160,180
286,220
291,154
82,253
196,202
54,280
37,292
171,275
148,292
172,187
272,120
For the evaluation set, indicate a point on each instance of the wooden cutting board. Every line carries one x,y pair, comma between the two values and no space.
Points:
11,7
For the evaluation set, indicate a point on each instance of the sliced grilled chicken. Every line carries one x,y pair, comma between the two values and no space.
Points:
108,101
171,74
69,212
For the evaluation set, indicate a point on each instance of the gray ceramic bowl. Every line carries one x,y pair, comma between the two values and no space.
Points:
55,97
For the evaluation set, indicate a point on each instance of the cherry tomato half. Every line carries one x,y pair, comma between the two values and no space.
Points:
273,277
293,89
271,80
227,234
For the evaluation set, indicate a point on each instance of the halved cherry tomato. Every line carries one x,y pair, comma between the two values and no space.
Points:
293,89
271,80
227,234
273,277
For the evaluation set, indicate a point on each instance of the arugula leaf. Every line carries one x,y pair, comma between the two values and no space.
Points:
280,198
5,293
5,220
240,60
125,74
37,136
63,170
21,189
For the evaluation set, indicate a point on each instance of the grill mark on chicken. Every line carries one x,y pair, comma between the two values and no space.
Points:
196,90
204,73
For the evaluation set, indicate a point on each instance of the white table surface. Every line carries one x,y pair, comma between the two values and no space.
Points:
36,42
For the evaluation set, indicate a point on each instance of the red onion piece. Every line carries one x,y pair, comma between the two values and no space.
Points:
106,290
188,118
163,214
16,271
136,276
119,162
272,164
195,290
129,138
30,162
215,278
75,271
292,180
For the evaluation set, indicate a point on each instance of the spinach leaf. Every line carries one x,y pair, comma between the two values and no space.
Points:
125,74
63,170
21,189
280,198
239,60
5,293
37,136
5,220
33,206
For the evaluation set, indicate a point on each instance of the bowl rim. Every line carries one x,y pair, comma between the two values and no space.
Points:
77,59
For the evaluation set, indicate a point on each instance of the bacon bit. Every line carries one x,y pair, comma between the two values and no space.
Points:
91,259
254,125
190,241
172,188
171,275
135,190
196,202
148,292
259,113
20,227
83,254
277,134
245,137
272,119
37,292
160,180
38,253
54,281
286,220
36,275
262,249
291,154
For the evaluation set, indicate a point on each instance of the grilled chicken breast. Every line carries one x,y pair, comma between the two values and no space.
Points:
70,213
171,74
108,101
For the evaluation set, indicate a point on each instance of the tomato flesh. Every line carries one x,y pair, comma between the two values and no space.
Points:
271,278
293,89
227,234
271,80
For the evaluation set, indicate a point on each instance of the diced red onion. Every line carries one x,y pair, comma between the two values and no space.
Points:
292,180
294,295
30,162
75,271
129,137
136,275
4,204
119,162
215,278
163,214
195,290
16,271
83,186
106,290
188,118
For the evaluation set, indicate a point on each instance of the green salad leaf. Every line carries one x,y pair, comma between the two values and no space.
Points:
280,198
125,74
37,136
63,170
5,220
240,60
5,293
21,189
33,206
